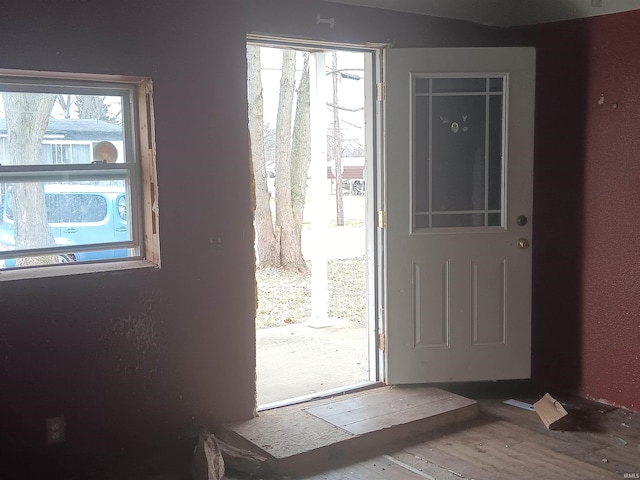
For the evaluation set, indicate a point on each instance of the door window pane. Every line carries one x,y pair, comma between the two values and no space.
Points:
458,220
495,152
458,152
421,172
459,85
458,145
495,84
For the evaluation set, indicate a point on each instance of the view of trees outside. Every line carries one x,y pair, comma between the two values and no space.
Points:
278,90
311,271
27,117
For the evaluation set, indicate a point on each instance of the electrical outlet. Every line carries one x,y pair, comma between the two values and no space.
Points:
55,430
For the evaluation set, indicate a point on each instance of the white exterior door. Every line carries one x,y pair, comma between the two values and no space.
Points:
458,170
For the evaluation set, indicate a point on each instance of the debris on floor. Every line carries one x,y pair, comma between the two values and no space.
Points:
244,461
552,413
621,442
208,463
519,404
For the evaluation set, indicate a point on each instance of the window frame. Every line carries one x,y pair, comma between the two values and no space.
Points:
138,171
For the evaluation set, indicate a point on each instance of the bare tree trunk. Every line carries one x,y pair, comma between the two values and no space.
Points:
65,103
268,244
337,141
91,107
290,246
301,147
27,119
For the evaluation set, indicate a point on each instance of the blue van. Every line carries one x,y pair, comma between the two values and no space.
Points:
77,215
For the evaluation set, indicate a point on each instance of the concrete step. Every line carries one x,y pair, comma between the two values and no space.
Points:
318,435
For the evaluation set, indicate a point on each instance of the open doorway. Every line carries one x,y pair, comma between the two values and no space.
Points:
310,122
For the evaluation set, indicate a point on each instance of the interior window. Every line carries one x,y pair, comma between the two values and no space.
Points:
71,175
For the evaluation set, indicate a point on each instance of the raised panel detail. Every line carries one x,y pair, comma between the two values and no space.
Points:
488,302
431,304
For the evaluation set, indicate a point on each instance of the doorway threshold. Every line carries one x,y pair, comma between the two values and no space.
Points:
334,392
317,435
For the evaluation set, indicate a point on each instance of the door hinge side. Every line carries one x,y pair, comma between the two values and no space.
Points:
382,342
382,219
380,87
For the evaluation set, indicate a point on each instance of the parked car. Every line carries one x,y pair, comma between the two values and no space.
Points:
77,215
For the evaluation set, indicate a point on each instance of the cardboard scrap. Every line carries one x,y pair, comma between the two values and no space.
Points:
552,413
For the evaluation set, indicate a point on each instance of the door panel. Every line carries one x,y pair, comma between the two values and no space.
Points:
431,305
488,308
458,165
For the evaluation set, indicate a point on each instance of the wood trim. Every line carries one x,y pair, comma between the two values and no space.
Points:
149,182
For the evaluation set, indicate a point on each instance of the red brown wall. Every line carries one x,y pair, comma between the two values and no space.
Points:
587,199
140,356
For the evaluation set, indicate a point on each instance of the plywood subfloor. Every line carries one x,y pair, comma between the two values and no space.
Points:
307,436
387,408
505,442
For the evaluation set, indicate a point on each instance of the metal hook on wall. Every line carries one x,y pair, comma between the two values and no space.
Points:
330,21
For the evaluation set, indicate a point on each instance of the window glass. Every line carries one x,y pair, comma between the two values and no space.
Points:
70,208
73,120
69,188
122,207
76,208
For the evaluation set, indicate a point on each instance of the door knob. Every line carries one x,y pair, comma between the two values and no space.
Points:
523,243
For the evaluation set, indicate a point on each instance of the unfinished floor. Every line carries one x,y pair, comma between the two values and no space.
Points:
501,443
309,436
504,442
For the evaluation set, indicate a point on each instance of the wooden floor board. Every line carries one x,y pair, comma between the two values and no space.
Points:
406,416
623,459
460,466
495,460
301,434
506,443
429,467
378,468
581,445
360,413
389,408
375,398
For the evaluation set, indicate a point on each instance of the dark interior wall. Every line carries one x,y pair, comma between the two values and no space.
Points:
136,357
586,257
297,18
132,357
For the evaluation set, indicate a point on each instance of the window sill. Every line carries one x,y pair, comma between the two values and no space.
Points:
71,269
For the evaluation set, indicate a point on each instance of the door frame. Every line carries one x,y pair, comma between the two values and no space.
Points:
374,190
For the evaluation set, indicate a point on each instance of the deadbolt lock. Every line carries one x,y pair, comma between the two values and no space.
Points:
523,243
